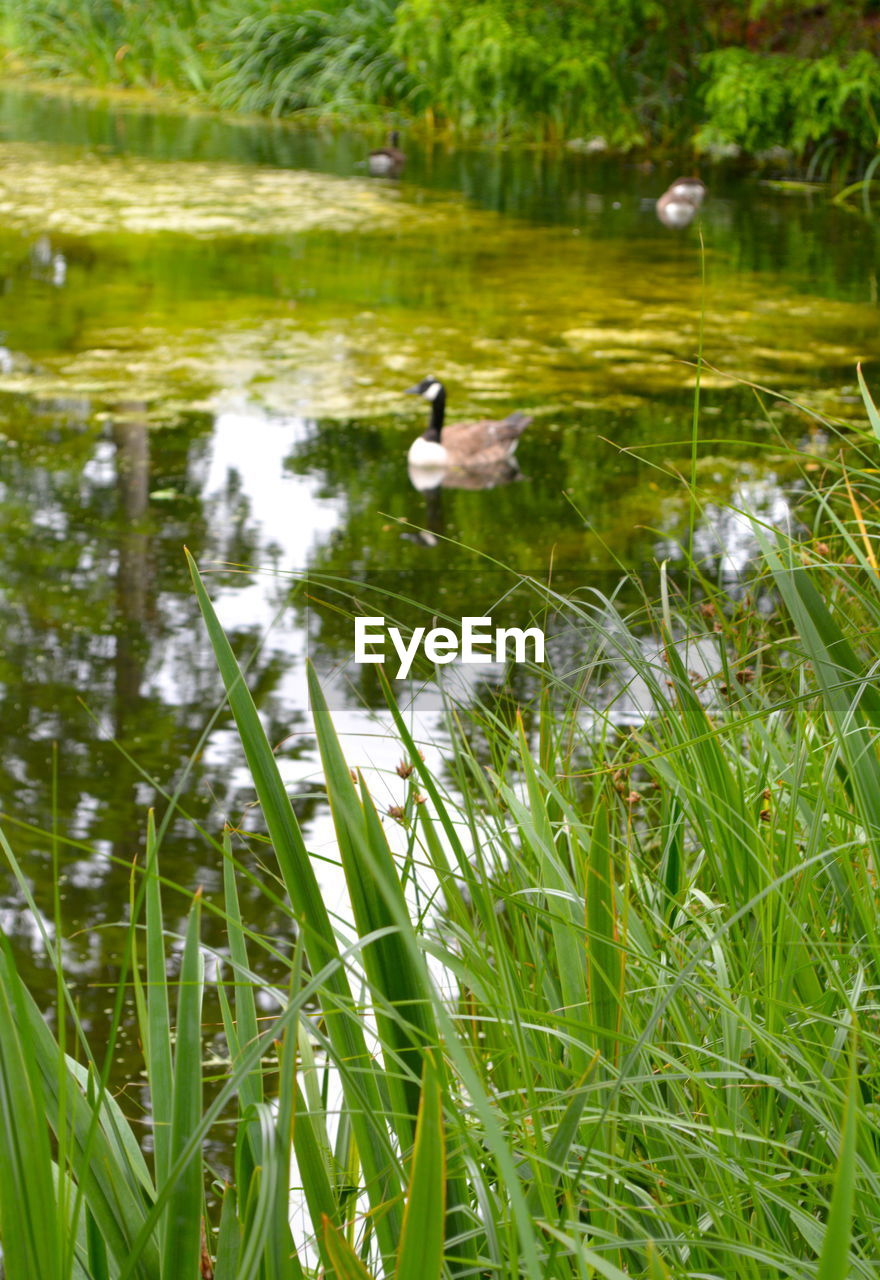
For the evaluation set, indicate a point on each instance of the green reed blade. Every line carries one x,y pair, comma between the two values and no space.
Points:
346,1264
102,1161
849,691
871,408
834,1260
346,1033
604,956
28,1211
229,1238
421,1240
393,962
246,1024
158,1040
657,1269
183,1215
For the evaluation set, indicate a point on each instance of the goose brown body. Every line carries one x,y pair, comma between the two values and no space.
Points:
483,443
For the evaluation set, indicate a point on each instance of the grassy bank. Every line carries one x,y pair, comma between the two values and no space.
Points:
612,1011
796,81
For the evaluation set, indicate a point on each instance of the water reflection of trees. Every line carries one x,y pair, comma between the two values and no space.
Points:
103,645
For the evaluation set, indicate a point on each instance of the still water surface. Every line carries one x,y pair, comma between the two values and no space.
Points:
206,332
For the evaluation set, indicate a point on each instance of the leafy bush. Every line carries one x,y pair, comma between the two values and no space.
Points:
505,67
757,101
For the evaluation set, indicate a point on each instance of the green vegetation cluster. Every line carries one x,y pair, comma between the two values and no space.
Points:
747,75
610,1013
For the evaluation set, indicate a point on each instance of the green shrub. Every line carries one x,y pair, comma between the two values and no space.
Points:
757,101
511,68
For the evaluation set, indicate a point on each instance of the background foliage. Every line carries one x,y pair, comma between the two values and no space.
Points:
744,76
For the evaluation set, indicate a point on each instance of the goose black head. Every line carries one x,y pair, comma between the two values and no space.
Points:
429,387
432,389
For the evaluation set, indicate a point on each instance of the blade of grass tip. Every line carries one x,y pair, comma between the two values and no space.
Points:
345,1032
421,1240
834,1260
158,1039
860,521
293,859
346,1263
28,1213
870,407
657,1268
229,1238
183,1217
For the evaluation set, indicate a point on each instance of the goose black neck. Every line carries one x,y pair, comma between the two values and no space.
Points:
438,411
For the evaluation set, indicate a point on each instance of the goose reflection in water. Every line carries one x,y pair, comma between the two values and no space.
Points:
431,482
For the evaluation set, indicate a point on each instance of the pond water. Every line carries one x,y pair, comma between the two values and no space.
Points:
207,330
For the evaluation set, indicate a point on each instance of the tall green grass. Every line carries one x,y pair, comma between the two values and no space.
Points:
633,1035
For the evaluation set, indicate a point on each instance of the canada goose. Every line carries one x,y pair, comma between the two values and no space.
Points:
483,446
388,161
